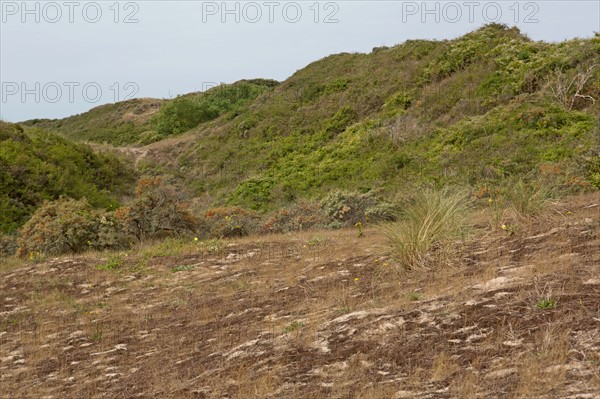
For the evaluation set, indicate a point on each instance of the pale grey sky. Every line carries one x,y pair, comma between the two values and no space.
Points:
65,57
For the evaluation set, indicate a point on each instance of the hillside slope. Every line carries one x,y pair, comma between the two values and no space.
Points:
313,315
36,166
145,120
481,110
119,123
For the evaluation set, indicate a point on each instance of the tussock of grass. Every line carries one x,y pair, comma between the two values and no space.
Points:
530,200
431,220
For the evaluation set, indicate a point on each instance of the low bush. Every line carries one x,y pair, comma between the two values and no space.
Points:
156,212
8,245
349,208
302,216
187,112
227,222
69,226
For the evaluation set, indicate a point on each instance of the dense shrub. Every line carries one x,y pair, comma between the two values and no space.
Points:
350,208
69,226
302,216
8,245
253,193
229,222
157,211
186,112
340,121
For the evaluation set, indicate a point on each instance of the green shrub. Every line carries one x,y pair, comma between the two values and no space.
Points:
298,217
340,121
8,245
253,193
546,303
182,114
157,211
591,164
397,103
186,112
350,208
114,262
430,221
69,226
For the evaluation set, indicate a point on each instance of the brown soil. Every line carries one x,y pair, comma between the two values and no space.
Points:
315,315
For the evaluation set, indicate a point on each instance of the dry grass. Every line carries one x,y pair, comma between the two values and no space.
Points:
275,319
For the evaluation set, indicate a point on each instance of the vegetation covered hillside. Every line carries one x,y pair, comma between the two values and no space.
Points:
491,111
120,123
36,166
141,121
482,110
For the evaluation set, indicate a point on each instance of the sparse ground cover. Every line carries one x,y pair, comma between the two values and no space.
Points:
316,314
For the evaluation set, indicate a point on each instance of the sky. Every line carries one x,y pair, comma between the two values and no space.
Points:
60,58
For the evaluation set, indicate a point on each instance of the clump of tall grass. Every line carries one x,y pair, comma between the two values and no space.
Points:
530,200
432,219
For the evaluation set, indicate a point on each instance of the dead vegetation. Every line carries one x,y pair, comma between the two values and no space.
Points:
322,314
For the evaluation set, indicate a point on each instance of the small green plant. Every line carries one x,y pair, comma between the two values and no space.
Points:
97,333
114,262
215,245
359,226
415,296
315,240
36,257
293,326
183,268
546,303
510,229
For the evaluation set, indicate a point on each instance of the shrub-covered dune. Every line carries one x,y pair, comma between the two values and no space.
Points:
36,165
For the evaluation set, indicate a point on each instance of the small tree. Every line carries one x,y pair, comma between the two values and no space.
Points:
156,211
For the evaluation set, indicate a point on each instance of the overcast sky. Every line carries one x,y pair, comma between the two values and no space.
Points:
65,57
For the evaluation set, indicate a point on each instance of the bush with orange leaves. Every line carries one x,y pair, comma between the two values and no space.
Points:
156,212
